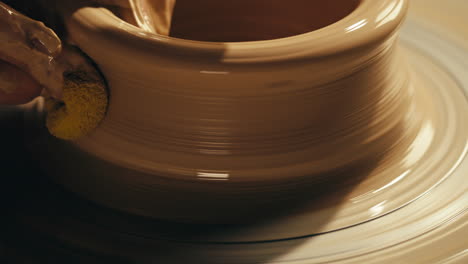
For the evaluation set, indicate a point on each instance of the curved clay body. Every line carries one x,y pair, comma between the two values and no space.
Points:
213,131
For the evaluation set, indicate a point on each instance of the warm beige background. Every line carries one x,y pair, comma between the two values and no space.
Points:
449,17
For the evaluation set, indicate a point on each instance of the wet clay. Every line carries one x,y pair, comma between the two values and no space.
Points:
153,15
196,129
31,46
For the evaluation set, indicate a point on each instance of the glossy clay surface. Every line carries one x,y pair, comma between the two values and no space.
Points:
208,132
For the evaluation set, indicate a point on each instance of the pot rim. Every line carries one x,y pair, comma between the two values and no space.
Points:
370,23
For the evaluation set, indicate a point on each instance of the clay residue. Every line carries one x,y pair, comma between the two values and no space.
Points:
153,16
31,46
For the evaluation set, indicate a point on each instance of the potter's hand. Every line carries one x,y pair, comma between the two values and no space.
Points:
27,58
16,86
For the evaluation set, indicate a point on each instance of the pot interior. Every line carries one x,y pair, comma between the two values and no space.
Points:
250,20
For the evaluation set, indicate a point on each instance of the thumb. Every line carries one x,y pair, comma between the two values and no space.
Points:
16,86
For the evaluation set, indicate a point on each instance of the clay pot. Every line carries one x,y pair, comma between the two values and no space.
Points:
226,131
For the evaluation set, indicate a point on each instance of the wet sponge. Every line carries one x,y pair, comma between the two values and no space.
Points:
82,108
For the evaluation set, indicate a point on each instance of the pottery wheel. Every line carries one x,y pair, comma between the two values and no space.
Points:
416,215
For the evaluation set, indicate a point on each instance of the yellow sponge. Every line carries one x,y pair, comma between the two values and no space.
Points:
82,108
